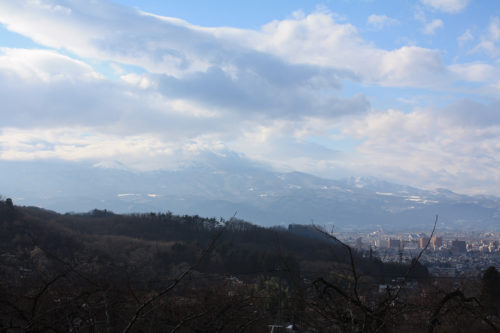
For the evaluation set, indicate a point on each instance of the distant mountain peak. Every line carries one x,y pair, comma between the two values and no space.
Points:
259,195
111,165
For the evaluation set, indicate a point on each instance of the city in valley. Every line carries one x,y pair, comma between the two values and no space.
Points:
445,254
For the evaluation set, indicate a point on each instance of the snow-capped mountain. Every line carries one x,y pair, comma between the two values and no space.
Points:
254,192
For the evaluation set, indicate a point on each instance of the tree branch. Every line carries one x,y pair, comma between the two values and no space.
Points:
176,281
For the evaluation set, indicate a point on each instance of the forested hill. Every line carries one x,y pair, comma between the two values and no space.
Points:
82,266
158,272
163,240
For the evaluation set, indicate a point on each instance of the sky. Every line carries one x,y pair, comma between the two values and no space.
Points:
407,91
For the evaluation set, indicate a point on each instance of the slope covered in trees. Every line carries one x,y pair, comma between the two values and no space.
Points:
163,272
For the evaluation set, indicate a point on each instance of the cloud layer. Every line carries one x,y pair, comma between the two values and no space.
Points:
451,147
114,83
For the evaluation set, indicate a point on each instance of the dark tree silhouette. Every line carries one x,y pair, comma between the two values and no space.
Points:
9,203
490,291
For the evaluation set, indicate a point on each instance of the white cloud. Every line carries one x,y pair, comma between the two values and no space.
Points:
176,48
266,88
455,147
141,81
283,145
494,29
430,28
75,143
105,31
474,72
42,89
318,39
145,121
398,67
488,47
465,38
44,65
262,92
381,21
141,152
447,6
489,42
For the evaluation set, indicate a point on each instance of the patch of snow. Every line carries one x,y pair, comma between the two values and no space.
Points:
430,201
123,195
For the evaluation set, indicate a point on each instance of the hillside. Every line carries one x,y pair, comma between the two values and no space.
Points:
162,272
240,248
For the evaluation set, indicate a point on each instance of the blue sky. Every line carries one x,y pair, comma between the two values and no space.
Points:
402,90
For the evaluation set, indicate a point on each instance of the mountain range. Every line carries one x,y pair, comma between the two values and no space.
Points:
215,188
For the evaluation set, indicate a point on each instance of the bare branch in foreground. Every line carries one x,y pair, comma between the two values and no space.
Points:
174,283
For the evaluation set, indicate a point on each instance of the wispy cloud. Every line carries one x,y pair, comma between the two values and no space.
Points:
431,27
490,40
447,6
465,38
381,21
494,29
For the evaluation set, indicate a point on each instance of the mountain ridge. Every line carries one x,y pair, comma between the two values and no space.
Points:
257,194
